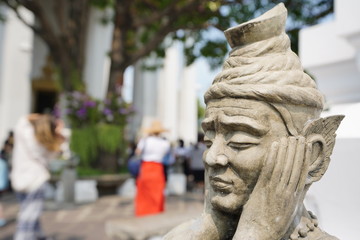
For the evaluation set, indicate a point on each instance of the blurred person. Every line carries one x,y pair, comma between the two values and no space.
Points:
38,140
182,158
181,165
196,163
6,154
133,160
168,162
150,183
131,149
8,147
4,183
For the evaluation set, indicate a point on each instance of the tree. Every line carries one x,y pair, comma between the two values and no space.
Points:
63,29
141,26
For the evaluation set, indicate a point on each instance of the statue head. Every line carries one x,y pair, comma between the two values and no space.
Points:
261,95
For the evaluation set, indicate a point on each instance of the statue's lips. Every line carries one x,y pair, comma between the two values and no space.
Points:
220,184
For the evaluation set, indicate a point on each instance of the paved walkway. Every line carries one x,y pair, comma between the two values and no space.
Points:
88,221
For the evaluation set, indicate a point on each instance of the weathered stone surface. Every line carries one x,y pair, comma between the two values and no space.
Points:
266,141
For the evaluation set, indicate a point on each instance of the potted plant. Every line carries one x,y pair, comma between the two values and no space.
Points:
98,129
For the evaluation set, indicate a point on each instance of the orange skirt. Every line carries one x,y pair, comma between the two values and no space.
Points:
150,184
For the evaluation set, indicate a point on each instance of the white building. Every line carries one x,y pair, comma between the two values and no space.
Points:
16,52
331,53
168,95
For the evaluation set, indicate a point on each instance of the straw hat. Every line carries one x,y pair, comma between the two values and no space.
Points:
155,127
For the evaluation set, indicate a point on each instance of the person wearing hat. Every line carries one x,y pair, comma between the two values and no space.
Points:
265,141
150,183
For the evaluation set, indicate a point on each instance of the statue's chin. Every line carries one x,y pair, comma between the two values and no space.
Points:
227,203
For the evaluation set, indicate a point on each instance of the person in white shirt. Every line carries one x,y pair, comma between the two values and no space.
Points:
37,141
150,183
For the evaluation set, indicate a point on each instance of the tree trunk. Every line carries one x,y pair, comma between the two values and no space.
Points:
116,80
65,71
118,53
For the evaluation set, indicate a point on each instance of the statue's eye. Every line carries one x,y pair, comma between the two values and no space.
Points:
241,145
209,136
208,143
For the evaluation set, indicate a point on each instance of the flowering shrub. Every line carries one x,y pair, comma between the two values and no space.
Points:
97,126
82,110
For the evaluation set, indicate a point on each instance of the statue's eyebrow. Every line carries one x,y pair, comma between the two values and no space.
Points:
208,123
245,124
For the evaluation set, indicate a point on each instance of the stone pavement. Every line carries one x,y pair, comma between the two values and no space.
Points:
109,214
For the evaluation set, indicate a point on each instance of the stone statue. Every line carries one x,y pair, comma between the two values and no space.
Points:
266,142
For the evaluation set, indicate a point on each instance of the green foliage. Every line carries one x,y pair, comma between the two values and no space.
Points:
198,27
143,28
89,172
102,4
110,137
201,110
84,143
75,79
88,141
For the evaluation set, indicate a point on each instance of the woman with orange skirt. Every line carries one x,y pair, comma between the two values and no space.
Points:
150,183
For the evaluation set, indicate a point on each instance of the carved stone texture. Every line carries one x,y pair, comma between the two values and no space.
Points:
266,142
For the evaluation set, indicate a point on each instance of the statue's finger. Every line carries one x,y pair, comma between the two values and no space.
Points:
289,162
280,160
269,164
296,170
304,168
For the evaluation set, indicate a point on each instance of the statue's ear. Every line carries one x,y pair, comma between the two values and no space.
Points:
321,134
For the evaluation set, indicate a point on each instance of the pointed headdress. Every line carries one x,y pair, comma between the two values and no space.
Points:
261,66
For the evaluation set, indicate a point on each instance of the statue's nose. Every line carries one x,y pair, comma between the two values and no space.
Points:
215,156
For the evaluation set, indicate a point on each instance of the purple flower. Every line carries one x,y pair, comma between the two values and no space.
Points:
56,111
77,95
123,111
107,101
89,104
81,113
107,111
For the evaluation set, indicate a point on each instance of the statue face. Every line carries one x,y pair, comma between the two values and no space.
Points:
238,134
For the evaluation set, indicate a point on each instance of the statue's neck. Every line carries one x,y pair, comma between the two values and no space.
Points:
224,221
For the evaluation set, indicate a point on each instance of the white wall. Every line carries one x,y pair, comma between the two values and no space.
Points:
16,55
337,194
331,53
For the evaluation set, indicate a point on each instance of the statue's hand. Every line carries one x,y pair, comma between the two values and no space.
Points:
273,203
